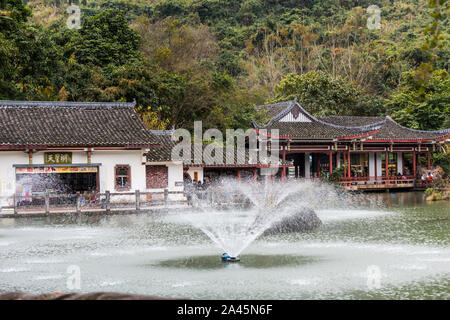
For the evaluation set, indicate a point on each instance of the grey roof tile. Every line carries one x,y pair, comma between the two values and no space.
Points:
72,124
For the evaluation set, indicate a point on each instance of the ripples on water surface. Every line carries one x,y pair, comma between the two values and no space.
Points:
406,238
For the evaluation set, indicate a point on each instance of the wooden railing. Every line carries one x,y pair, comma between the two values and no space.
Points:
46,202
390,180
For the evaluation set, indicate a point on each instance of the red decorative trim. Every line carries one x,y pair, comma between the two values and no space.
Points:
237,166
396,140
443,137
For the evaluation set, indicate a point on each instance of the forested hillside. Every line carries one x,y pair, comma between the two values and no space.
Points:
214,60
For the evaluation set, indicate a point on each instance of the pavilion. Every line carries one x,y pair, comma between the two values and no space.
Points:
377,152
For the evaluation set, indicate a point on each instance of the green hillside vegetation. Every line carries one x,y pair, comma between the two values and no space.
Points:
215,60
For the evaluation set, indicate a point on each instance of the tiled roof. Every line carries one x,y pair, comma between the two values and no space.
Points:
333,127
275,109
310,130
25,123
391,130
164,154
351,121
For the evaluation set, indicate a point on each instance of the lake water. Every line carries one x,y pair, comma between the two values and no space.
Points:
398,249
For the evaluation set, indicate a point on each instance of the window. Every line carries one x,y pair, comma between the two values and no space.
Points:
122,177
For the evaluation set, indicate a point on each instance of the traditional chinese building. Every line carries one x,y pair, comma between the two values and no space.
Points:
69,147
377,152
247,168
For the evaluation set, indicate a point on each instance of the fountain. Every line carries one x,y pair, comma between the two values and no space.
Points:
233,214
162,254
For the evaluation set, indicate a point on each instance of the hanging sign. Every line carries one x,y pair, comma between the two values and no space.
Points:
58,157
56,170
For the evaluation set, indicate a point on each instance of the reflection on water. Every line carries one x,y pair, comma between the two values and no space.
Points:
256,261
407,239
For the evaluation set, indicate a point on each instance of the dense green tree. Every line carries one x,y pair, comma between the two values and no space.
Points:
319,93
214,60
422,103
105,38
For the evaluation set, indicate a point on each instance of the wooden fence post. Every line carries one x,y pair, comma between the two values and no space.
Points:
78,202
15,203
47,202
108,200
138,200
166,196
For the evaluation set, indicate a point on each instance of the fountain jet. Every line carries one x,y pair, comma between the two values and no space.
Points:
233,214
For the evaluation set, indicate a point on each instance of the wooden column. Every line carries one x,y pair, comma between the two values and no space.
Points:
108,201
255,174
239,174
30,156
283,172
414,163
47,202
138,200
166,196
375,163
345,163
386,163
348,163
89,156
428,159
331,161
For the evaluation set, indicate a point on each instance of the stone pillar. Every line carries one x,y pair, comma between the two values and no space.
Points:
338,159
307,166
372,164
379,163
400,162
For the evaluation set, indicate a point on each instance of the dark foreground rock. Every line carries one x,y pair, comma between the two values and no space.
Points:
303,221
78,296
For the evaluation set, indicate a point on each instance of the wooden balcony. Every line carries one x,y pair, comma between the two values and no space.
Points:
372,183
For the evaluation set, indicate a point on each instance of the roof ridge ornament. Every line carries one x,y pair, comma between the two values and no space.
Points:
294,102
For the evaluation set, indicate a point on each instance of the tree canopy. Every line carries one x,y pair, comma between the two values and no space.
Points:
214,60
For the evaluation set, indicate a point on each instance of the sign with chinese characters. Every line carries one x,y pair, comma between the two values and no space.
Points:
58,158
24,170
179,183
